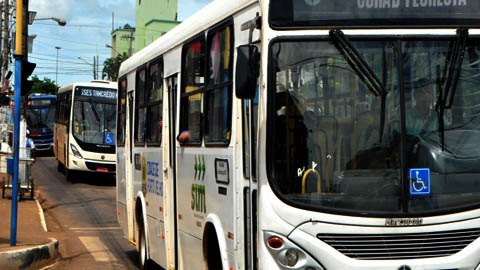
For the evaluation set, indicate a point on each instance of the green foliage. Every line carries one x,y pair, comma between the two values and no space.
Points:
111,67
46,86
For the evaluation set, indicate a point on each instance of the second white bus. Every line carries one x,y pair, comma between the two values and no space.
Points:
84,132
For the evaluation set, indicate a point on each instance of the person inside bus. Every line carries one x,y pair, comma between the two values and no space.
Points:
421,117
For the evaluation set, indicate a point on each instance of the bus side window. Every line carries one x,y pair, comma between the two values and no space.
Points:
193,79
218,93
154,120
122,107
58,108
140,107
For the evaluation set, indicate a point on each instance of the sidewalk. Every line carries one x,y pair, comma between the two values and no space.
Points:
34,248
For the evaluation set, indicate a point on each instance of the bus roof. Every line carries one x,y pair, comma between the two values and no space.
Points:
95,83
206,17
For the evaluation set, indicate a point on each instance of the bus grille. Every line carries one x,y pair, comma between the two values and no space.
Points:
400,246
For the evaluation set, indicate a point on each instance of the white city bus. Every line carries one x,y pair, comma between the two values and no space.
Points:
305,134
84,130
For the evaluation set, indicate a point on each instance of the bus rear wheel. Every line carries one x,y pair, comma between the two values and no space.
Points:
142,250
70,175
60,167
212,250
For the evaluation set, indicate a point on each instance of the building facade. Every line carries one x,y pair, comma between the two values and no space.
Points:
153,19
123,39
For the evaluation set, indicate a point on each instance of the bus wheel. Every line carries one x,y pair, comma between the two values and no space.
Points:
212,250
60,167
70,175
142,250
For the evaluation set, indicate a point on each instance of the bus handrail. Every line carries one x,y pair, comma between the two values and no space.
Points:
304,180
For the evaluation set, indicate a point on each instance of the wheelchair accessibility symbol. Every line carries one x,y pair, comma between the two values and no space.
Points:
108,138
419,181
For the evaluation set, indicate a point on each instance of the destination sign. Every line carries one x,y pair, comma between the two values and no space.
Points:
356,13
42,102
92,92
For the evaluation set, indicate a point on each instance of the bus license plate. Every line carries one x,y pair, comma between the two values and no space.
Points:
99,169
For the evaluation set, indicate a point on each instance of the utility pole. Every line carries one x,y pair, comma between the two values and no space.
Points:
96,73
25,29
2,74
56,70
131,41
16,116
130,37
6,46
23,69
94,68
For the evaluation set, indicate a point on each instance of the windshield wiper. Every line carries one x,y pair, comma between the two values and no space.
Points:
452,74
95,113
454,65
357,62
363,70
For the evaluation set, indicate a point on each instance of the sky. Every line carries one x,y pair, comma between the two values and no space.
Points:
89,24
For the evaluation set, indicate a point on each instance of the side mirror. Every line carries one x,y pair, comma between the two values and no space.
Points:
246,75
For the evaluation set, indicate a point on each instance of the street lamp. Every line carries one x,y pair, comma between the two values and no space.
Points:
85,61
32,14
60,21
56,72
113,49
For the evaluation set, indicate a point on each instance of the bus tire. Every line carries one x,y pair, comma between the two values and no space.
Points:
212,250
60,166
143,262
70,175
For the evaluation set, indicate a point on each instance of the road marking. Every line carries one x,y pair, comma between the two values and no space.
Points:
97,249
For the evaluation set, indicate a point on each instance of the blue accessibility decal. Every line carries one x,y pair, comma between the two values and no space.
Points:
419,181
108,138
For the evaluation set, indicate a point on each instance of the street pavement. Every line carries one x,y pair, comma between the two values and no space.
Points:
35,247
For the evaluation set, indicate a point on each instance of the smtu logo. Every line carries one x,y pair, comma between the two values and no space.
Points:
312,2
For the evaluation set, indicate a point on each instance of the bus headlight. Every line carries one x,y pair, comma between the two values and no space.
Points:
288,255
291,257
75,151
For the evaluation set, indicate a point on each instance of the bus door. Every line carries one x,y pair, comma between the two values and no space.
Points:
169,171
129,167
249,124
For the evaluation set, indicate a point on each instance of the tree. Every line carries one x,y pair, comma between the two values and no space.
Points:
45,86
111,66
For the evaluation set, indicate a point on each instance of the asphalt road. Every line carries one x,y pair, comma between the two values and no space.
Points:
82,216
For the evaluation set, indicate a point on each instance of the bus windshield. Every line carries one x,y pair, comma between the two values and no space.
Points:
94,116
40,120
341,144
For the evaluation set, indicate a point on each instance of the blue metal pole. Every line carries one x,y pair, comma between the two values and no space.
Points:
16,148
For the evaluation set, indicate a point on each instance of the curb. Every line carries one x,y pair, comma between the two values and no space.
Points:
42,216
30,258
